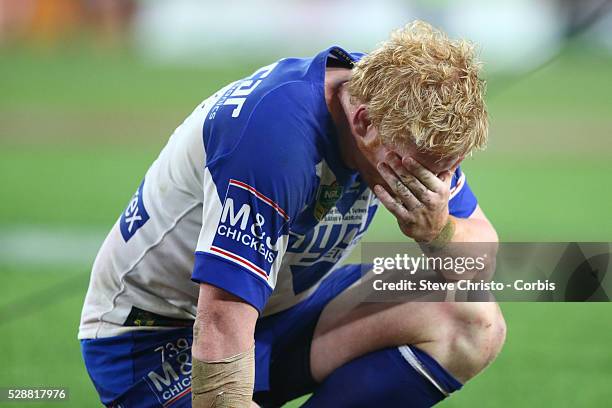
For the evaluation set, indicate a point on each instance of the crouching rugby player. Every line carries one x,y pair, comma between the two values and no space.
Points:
221,282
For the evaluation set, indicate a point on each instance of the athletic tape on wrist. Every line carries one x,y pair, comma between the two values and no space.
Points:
444,236
225,383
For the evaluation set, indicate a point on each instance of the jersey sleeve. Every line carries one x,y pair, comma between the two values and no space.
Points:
462,202
251,195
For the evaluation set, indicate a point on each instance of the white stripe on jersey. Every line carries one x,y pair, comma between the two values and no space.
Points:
455,190
260,273
257,194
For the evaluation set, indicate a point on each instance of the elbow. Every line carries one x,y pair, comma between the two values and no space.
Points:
494,237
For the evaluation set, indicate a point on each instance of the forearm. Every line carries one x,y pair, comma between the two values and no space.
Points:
223,357
222,330
472,237
473,230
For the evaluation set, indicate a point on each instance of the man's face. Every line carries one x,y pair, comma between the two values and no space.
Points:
375,153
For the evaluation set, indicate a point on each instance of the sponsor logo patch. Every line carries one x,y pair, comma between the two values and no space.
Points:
134,216
171,381
249,228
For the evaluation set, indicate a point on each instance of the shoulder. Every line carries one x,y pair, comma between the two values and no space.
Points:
289,103
282,127
272,123
272,149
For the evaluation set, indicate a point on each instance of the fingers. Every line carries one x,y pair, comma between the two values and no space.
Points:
414,185
422,193
394,206
426,177
400,189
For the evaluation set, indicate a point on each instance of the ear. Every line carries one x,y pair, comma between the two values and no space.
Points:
361,126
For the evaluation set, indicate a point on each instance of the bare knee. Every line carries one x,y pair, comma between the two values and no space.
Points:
473,337
479,334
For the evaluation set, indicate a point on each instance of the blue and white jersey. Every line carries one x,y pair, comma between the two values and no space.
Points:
250,195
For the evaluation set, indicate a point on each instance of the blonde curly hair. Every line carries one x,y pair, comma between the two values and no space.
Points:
422,85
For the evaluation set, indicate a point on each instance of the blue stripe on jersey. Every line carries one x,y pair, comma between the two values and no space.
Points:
224,274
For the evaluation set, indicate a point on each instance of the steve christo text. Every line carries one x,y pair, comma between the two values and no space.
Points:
462,285
449,266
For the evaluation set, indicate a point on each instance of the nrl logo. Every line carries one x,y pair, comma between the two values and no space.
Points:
327,196
329,190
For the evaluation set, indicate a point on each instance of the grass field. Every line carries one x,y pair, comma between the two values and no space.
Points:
77,132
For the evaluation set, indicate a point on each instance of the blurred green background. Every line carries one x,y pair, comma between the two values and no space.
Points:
80,125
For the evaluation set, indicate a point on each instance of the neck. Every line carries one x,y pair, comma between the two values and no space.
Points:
338,104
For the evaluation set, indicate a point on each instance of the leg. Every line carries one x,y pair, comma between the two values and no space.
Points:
458,339
384,378
463,337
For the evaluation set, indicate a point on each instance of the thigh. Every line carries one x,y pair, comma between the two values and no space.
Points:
349,327
283,341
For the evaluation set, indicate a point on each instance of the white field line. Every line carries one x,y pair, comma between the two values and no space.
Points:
48,246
